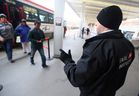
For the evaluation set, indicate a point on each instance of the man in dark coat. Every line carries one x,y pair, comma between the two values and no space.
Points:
83,31
88,30
105,60
7,35
36,36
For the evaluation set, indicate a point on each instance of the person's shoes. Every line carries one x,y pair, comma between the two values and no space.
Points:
44,65
32,63
29,53
11,61
25,52
1,87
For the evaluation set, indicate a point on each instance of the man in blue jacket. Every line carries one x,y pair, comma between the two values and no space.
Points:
23,30
105,60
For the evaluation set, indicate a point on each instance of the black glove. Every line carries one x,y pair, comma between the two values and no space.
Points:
66,58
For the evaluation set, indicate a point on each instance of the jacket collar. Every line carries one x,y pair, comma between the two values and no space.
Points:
114,34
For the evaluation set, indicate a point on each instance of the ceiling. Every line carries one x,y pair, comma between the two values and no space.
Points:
90,8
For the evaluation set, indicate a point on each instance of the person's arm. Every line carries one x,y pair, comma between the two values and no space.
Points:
1,37
13,32
78,73
28,27
12,29
17,30
89,67
0,32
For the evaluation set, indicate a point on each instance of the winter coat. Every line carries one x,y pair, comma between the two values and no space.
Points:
6,31
36,35
103,66
23,31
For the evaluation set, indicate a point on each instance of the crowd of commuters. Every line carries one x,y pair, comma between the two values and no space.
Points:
35,36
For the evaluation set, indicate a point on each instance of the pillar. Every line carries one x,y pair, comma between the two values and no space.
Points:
58,26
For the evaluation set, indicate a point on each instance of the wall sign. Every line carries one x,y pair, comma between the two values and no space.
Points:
58,21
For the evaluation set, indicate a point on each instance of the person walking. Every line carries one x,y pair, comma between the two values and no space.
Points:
7,36
105,60
23,30
88,31
82,32
65,30
36,36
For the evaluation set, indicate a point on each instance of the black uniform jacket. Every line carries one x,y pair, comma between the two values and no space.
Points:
103,66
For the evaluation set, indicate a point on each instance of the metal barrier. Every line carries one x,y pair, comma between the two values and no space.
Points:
48,47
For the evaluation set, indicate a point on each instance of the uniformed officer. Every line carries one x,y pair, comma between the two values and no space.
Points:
105,60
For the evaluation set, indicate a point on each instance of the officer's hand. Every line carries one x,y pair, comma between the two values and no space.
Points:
66,58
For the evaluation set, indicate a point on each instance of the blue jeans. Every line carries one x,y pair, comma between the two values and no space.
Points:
41,51
8,47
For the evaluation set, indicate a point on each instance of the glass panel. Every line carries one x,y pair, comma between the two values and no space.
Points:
51,18
43,16
30,13
11,1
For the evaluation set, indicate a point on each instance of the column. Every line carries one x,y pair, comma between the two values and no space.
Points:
58,26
